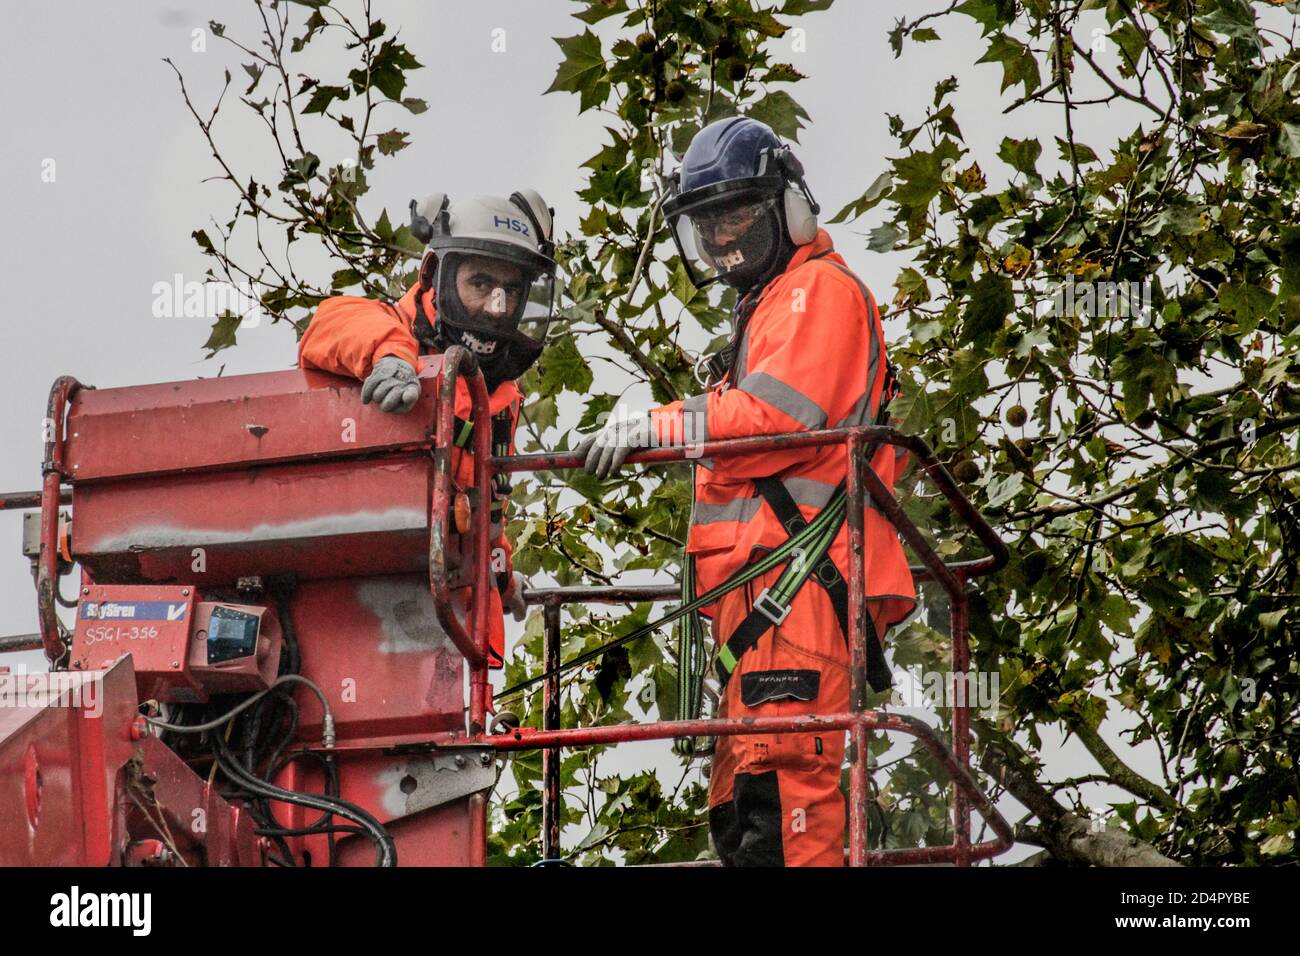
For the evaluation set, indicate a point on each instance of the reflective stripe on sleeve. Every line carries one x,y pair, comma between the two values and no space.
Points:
784,398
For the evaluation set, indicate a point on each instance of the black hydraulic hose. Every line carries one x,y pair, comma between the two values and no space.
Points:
308,831
385,849
322,823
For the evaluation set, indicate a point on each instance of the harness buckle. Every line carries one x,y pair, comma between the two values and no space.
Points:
770,608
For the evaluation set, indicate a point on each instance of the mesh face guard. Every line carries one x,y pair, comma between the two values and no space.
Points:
733,237
494,307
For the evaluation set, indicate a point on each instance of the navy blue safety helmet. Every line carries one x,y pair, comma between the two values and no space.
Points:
739,204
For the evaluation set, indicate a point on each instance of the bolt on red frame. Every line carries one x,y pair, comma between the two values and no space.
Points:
858,721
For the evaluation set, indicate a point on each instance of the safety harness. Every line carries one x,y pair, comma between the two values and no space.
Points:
808,548
772,605
805,552
801,542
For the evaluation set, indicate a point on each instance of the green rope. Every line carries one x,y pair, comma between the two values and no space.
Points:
816,533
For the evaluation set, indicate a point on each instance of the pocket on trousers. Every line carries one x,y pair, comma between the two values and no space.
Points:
760,687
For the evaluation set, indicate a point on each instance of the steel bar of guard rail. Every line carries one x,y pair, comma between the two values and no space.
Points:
527,738
458,361
24,500
53,474
858,769
551,757
951,577
20,642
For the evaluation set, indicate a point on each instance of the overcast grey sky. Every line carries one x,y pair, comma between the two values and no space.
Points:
82,84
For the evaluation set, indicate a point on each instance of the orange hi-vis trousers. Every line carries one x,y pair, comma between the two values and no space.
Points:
775,799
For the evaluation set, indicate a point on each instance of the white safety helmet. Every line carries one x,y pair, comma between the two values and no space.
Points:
500,253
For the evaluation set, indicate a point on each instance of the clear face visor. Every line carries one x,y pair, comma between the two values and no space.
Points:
725,237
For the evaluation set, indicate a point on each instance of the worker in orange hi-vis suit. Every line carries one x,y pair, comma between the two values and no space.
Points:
486,283
807,352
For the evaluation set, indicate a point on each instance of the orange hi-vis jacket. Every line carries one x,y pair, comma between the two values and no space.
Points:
347,336
811,356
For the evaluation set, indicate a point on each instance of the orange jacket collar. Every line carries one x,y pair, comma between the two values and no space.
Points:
819,246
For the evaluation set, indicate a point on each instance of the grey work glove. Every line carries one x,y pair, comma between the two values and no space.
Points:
513,600
393,384
606,450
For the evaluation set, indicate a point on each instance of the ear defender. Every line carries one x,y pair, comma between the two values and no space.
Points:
800,207
540,215
429,217
800,217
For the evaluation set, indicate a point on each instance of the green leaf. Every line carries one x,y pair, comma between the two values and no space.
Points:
1272,619
387,70
323,96
392,141
794,8
918,176
563,367
1246,302
223,335
884,237
877,191
582,70
779,110
597,406
912,288
1021,155
680,285
1083,154
988,13
255,72
1018,63
1232,18
1002,490
1132,44
991,301
600,9
782,73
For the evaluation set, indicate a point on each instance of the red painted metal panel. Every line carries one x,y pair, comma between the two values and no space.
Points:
59,763
375,647
205,828
229,422
315,519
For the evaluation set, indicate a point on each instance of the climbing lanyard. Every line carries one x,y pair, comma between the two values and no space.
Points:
818,532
